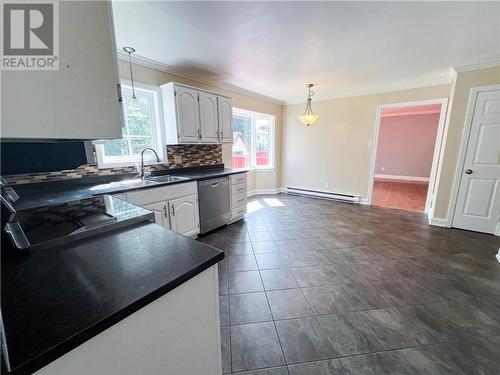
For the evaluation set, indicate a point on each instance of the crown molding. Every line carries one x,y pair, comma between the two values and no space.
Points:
445,80
161,67
477,66
381,90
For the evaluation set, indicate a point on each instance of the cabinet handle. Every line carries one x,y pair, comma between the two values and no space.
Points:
165,210
217,133
199,133
173,210
178,135
222,134
119,88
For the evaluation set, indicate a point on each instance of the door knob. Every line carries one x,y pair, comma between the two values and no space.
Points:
468,171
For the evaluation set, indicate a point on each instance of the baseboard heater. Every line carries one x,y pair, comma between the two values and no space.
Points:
323,194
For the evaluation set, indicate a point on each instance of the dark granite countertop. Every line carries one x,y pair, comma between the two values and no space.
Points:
43,194
55,299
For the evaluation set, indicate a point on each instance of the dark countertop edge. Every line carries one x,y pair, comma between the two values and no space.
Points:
221,173
80,338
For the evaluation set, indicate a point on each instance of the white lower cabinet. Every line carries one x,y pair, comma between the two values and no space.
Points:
175,207
238,196
184,217
160,212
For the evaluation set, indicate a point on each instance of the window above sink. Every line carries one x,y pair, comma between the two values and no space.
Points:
142,128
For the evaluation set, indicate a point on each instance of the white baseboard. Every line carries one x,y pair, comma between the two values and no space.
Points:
436,221
251,193
363,201
403,178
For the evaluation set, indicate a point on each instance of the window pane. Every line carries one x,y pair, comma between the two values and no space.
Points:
138,144
138,131
116,147
242,141
262,143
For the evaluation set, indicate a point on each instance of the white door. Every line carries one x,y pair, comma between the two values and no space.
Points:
160,211
478,202
184,217
188,115
208,118
225,119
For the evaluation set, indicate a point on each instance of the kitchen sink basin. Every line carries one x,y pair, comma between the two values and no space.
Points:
122,184
165,178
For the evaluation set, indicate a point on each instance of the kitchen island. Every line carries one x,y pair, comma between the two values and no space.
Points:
141,299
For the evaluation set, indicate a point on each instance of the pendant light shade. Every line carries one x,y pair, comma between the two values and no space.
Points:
133,104
309,118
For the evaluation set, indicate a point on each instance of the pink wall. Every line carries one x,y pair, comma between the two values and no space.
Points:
406,145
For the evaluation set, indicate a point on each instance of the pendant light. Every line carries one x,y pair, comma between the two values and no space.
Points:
309,118
133,104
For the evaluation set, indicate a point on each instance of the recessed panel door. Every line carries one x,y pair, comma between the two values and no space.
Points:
209,124
188,114
478,202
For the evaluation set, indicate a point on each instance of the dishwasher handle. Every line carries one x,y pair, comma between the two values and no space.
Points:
214,181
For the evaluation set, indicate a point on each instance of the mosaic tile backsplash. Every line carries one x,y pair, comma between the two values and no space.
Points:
190,156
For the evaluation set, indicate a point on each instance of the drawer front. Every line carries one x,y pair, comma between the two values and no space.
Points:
239,189
238,212
238,178
238,200
152,195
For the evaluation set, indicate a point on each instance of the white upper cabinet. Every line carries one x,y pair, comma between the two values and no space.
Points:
81,99
195,116
189,114
209,122
225,119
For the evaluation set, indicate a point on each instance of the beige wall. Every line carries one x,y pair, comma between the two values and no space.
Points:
256,180
337,150
455,121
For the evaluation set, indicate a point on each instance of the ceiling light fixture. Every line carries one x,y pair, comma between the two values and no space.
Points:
309,118
133,104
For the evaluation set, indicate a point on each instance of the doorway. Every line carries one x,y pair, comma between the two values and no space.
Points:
406,154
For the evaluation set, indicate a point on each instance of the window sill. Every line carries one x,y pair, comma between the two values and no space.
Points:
261,169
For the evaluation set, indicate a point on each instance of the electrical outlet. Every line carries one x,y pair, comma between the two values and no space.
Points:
326,184
177,159
382,168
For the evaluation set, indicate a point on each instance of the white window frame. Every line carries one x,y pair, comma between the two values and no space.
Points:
254,116
158,133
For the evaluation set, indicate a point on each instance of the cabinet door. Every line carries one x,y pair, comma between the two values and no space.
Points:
225,119
208,118
78,101
159,209
188,115
184,215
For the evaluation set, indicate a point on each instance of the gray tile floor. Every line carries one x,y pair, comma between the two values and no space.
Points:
312,286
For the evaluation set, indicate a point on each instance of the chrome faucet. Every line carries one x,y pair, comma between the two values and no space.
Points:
143,174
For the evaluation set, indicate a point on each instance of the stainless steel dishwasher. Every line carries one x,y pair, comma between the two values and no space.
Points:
213,197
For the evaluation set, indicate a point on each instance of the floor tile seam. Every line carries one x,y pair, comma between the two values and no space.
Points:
274,323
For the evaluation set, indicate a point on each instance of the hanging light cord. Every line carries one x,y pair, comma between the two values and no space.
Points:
131,75
130,51
308,110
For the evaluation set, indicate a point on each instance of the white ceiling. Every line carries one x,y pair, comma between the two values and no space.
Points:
344,48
